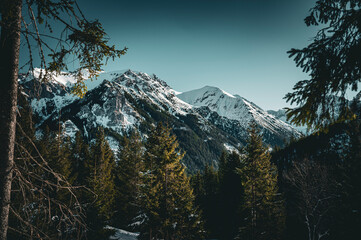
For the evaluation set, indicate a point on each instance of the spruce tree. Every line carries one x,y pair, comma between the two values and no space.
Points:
56,149
101,180
231,193
128,180
263,210
64,165
206,190
42,200
348,207
85,40
25,135
80,155
167,197
100,192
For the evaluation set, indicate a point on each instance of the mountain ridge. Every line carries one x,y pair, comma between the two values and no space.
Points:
126,100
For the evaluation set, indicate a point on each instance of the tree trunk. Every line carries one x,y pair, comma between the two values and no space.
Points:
9,65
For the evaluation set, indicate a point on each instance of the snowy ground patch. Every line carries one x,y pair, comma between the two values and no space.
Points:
122,234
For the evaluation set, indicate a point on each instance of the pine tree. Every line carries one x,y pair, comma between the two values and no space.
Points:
128,180
332,61
64,165
206,190
98,178
231,193
86,41
263,210
348,193
56,149
25,135
168,200
80,155
101,180
42,200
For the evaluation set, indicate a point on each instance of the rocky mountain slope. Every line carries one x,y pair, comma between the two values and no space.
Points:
206,121
233,114
281,115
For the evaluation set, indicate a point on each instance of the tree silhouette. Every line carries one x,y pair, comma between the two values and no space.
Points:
83,39
333,61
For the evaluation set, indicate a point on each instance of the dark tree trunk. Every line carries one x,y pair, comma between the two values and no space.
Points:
9,65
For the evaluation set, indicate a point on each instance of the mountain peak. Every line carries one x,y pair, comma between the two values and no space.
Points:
209,118
208,88
233,107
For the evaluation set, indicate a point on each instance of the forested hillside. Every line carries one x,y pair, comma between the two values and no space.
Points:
127,157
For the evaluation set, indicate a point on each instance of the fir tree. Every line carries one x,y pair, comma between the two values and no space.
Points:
168,200
206,190
25,135
231,193
98,178
128,180
101,179
348,193
56,149
42,201
64,165
80,155
332,61
263,210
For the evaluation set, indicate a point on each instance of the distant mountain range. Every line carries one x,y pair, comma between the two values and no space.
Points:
281,115
206,121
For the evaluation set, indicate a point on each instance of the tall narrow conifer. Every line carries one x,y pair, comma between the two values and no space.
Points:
168,200
263,209
128,180
101,168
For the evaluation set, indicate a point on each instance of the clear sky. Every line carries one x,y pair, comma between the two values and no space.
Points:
237,45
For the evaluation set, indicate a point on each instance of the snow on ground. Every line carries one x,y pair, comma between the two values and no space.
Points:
122,234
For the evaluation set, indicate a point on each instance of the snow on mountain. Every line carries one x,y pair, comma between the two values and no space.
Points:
154,89
67,80
120,102
107,104
62,78
235,107
56,93
69,129
281,115
205,121
47,98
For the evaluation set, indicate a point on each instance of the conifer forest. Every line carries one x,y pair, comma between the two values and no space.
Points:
89,151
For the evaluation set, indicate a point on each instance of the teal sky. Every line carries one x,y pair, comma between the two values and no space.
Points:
237,45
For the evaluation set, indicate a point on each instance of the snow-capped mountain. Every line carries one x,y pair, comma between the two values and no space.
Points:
106,103
233,114
205,121
281,115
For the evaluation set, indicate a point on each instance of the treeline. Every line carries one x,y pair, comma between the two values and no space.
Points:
321,183
240,200
310,190
71,189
